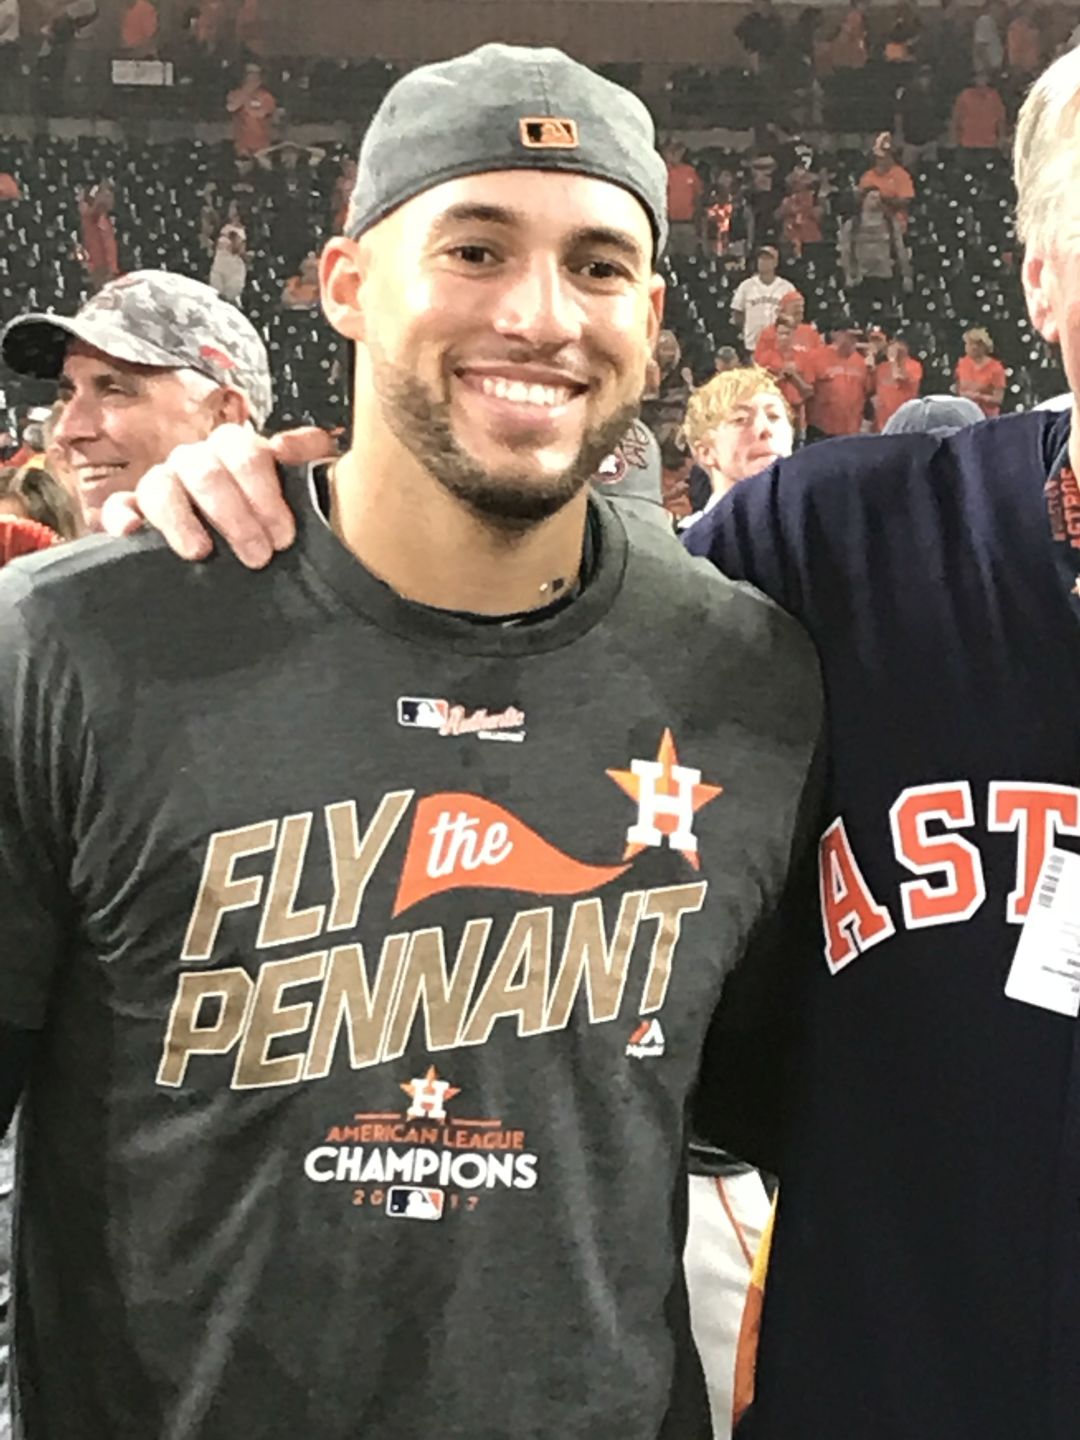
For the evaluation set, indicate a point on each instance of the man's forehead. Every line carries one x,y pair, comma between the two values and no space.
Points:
554,199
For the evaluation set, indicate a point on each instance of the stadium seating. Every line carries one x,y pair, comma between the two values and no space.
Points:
961,236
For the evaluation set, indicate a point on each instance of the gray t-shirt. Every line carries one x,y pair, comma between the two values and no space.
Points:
373,953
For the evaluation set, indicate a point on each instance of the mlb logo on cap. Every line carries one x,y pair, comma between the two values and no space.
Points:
414,1202
540,132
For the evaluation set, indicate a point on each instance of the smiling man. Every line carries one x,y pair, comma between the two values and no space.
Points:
153,361
364,919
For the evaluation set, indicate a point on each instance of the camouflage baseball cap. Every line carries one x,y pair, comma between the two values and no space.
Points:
152,317
631,475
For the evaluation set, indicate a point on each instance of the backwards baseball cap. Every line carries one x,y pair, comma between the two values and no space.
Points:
151,317
631,475
506,107
933,415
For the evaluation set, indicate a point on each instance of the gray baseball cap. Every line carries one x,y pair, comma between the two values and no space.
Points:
933,415
632,475
506,107
151,317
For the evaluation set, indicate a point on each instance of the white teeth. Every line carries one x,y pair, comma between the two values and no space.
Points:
519,393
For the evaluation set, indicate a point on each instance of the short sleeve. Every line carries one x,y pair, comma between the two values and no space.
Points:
738,300
39,744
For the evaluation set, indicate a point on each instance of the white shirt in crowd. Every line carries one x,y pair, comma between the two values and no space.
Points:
986,43
759,303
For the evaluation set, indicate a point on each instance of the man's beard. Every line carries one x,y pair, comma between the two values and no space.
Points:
422,424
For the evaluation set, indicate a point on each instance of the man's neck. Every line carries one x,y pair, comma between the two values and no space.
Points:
429,547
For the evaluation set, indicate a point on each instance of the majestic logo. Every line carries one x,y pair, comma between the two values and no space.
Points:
647,1041
417,712
668,797
429,1096
545,132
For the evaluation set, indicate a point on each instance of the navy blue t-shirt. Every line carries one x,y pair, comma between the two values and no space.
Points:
925,1276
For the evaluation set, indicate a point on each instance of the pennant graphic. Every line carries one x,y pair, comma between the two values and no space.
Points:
461,842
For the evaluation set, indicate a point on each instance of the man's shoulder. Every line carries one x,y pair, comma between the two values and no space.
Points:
685,595
99,581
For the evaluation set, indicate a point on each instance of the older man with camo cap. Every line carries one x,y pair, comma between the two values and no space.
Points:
153,361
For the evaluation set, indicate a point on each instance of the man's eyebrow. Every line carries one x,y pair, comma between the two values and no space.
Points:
474,213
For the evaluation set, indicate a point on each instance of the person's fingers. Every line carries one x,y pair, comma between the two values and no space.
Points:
120,515
253,464
209,480
164,503
302,446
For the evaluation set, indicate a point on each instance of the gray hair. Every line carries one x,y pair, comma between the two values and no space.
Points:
1044,155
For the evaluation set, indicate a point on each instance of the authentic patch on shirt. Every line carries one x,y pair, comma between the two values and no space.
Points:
420,712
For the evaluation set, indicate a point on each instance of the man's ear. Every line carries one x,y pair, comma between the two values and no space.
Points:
1040,285
230,407
343,267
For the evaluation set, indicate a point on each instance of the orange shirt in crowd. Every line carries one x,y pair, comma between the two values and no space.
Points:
890,393
99,243
139,25
684,188
773,352
985,374
978,118
841,385
894,184
252,122
800,216
1023,46
9,187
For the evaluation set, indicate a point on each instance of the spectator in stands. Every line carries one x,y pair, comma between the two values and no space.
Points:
295,197
849,50
948,50
763,201
249,28
153,362
841,386
726,358
786,349
979,376
10,189
253,108
736,425
667,387
1023,45
301,290
99,252
228,273
139,29
987,40
889,178
800,214
921,118
686,190
757,299
208,26
58,35
31,493
896,379
873,255
979,120
905,32
761,34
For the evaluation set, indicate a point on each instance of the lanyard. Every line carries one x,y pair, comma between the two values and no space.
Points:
1062,491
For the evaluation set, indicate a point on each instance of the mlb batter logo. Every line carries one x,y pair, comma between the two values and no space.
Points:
414,1202
419,712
